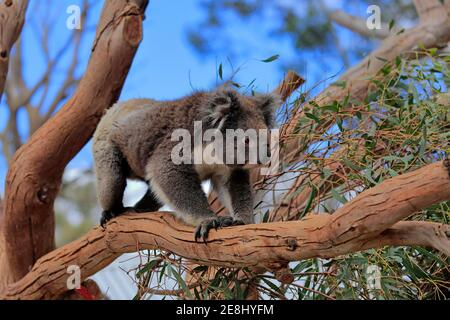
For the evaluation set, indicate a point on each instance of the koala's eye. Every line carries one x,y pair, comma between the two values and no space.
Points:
221,100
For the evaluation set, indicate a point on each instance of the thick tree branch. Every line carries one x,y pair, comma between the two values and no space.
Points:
369,221
98,248
378,208
35,174
12,18
418,233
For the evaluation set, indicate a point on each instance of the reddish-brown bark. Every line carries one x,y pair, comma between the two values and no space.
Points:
35,173
369,221
12,18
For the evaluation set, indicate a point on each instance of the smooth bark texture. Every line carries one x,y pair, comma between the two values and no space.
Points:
368,221
34,176
359,25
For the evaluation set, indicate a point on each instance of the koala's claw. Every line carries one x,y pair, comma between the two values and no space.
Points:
206,225
108,214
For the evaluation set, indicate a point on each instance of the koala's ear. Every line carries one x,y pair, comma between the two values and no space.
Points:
268,104
222,104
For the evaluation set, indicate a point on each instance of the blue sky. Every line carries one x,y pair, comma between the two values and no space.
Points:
165,66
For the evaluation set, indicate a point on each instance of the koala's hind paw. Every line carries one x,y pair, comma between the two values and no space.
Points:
206,225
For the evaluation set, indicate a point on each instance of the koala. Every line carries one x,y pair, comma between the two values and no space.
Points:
134,141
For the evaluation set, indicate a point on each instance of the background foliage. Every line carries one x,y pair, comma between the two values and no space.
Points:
400,127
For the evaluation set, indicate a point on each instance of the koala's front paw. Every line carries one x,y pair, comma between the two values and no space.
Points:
109,214
106,216
206,225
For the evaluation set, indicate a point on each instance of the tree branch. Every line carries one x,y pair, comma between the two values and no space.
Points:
35,174
428,10
358,25
417,233
433,32
291,82
12,17
368,221
295,202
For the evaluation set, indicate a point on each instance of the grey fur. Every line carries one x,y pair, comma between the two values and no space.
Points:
133,140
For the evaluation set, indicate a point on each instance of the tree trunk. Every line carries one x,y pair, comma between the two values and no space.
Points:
34,176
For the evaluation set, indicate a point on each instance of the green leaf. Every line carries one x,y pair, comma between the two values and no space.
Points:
431,255
313,117
372,96
392,172
266,216
200,269
311,198
221,72
181,282
346,100
270,59
351,164
368,175
162,272
314,104
423,141
414,270
148,267
433,51
334,107
398,61
340,83
339,123
272,285
391,24
326,173
197,294
338,197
